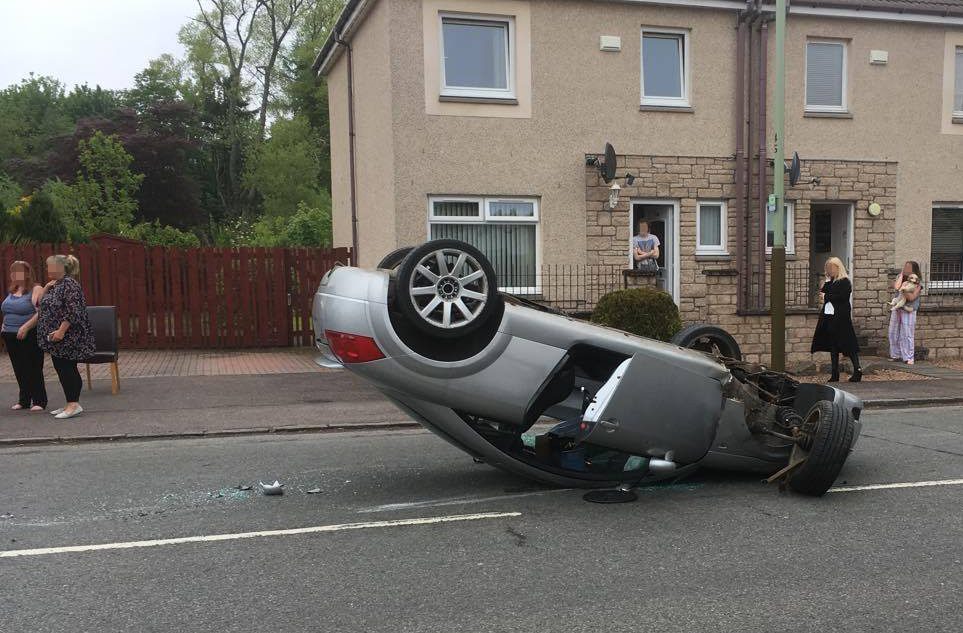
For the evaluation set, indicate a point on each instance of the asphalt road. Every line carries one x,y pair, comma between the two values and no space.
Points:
717,553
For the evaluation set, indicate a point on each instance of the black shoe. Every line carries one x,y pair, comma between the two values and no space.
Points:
857,376
833,378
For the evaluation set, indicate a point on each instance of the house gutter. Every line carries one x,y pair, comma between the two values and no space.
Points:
351,16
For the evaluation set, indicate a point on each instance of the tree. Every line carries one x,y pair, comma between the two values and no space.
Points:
217,42
31,113
310,226
161,82
106,184
10,192
284,168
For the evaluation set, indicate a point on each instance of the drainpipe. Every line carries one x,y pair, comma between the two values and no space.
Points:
763,180
351,159
741,183
753,14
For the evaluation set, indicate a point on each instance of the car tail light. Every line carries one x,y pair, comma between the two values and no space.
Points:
352,348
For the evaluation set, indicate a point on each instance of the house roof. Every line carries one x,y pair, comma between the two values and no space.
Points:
909,10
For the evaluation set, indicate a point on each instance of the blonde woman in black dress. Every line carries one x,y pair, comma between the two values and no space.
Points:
63,329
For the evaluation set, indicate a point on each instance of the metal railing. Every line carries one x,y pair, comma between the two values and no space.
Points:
802,288
571,288
942,285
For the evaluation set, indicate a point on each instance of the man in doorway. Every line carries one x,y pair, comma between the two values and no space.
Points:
645,249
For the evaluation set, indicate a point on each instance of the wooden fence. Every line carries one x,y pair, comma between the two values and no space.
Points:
196,297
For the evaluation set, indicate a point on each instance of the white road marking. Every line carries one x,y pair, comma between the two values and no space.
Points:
906,484
243,535
456,501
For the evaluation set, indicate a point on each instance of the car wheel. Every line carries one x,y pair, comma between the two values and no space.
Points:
393,259
829,431
447,288
709,339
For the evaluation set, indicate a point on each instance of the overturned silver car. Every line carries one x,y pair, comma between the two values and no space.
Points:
567,402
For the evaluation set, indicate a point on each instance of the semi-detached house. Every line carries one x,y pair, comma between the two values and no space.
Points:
479,120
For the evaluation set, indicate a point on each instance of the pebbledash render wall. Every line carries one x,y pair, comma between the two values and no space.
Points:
708,288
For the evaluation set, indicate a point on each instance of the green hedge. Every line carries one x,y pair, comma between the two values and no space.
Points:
643,311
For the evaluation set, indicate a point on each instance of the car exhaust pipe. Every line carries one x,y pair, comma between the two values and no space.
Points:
661,466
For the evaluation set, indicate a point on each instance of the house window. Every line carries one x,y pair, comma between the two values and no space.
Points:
477,57
946,252
826,76
504,229
665,68
958,93
789,229
711,220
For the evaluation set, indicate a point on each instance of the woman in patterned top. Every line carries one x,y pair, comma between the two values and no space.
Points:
63,329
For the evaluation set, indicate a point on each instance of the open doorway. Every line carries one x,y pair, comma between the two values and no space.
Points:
662,217
831,235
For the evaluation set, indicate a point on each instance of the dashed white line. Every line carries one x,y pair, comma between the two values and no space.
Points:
906,484
243,535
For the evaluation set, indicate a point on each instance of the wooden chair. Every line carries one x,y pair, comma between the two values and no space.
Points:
103,322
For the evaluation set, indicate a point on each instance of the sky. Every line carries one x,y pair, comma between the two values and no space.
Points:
102,42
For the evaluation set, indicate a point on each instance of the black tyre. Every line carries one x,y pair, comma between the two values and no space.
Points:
710,339
832,440
393,259
447,288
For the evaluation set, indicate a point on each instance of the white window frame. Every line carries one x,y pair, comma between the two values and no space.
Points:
790,228
844,107
712,249
956,61
485,217
474,92
676,102
942,285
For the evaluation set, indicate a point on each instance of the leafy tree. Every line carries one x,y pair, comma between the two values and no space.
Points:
10,192
106,184
72,208
40,222
83,102
161,82
31,113
284,169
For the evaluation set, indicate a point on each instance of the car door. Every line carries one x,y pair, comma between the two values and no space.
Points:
652,406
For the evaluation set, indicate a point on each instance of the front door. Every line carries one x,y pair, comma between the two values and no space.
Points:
831,230
661,217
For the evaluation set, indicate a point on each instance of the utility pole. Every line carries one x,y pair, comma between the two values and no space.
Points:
777,289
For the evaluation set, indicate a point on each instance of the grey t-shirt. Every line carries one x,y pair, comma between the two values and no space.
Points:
646,243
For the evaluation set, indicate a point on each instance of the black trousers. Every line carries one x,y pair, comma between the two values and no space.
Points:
27,360
70,378
853,358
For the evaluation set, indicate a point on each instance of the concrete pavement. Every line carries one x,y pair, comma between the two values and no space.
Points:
188,394
720,552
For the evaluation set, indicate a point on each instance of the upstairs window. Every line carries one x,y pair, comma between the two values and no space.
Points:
958,92
665,68
825,76
477,57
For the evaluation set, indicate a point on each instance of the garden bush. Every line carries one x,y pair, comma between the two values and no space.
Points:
642,311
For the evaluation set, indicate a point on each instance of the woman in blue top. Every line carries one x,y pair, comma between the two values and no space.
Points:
20,336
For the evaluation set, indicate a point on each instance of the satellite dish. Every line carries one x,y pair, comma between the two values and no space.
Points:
607,168
794,169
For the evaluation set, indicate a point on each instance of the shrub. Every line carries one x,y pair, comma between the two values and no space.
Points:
157,234
643,311
39,221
